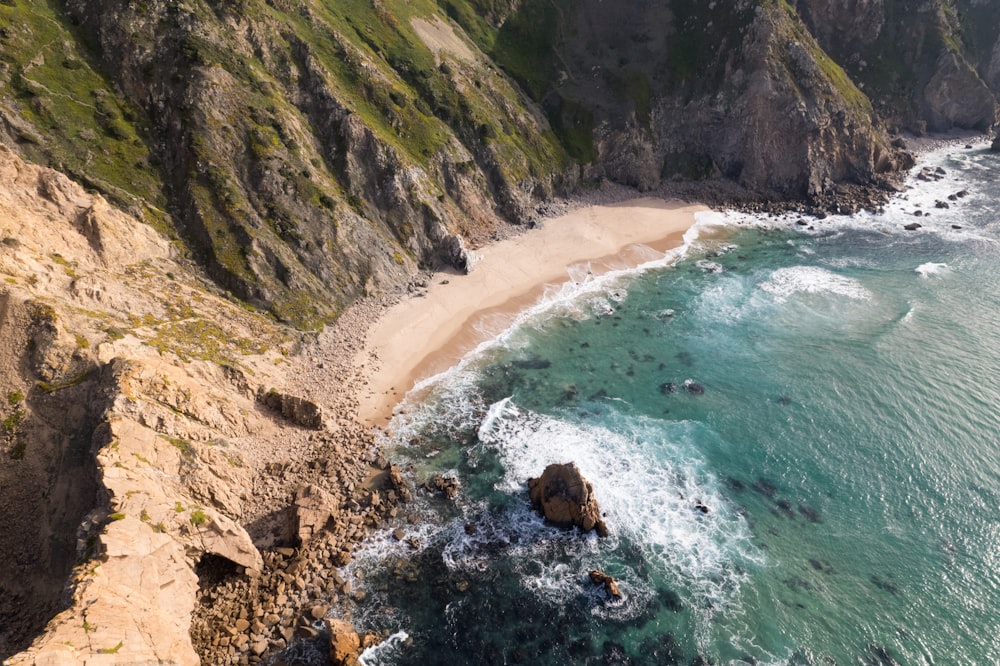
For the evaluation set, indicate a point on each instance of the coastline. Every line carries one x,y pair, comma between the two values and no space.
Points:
429,332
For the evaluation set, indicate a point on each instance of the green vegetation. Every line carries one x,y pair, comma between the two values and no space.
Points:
42,313
72,119
524,46
13,420
198,338
68,266
112,650
75,380
15,397
185,447
116,516
198,517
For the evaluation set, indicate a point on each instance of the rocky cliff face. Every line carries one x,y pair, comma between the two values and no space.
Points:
307,154
926,68
135,442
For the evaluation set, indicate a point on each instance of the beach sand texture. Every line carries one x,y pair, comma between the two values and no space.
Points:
425,335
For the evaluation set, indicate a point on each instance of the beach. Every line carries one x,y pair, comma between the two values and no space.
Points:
428,333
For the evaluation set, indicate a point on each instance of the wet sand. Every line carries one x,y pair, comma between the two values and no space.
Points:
428,333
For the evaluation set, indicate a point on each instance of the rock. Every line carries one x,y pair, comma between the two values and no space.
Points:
455,253
445,484
399,483
912,226
566,499
299,411
693,387
995,146
313,509
610,585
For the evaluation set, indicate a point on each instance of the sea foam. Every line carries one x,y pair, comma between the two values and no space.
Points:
785,282
647,478
932,269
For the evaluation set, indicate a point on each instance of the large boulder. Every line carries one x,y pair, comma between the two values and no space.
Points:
299,411
566,499
314,507
345,643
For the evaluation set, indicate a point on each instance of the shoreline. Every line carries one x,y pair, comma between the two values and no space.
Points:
428,332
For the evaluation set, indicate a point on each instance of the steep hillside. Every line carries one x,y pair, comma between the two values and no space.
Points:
309,153
931,67
139,446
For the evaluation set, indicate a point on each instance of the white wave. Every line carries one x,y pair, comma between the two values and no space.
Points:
647,484
932,269
784,282
709,266
385,652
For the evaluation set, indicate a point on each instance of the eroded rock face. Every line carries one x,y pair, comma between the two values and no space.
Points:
299,411
995,146
566,499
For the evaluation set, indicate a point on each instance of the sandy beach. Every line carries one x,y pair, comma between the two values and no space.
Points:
426,334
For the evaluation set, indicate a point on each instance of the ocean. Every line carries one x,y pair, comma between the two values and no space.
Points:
829,390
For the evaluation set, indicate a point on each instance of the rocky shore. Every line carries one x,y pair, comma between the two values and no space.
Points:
216,457
244,620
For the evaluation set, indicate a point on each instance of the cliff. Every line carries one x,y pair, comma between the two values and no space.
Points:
186,187
308,154
146,440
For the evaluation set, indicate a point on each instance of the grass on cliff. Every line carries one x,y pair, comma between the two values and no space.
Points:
70,117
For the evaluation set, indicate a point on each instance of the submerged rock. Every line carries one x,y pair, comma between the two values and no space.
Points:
566,499
693,387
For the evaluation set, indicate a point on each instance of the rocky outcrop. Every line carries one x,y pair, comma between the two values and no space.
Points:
955,96
135,456
610,585
925,69
346,644
299,411
566,499
995,146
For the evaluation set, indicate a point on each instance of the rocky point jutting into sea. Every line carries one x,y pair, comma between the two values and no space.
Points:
203,207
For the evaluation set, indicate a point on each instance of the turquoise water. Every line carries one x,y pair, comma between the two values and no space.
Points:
845,441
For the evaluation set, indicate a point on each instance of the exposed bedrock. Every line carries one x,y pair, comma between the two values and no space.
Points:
566,499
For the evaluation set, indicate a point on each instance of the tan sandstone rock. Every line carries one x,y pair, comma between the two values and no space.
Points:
566,499
345,642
